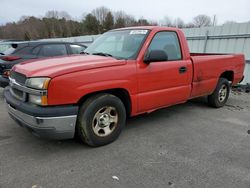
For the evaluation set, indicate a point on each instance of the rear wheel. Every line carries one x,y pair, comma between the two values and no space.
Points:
101,119
220,95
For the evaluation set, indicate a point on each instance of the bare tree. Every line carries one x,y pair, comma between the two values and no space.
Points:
202,21
142,22
124,20
119,14
189,25
23,18
60,24
58,15
100,14
130,21
120,22
52,14
167,21
153,23
65,15
120,19
179,23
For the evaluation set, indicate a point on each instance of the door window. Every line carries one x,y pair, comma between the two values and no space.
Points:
36,50
168,42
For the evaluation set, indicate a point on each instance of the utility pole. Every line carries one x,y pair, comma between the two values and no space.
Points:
214,20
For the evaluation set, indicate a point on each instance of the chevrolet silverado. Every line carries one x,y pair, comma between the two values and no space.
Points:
125,72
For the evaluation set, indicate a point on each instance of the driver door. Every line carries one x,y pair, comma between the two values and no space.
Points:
164,83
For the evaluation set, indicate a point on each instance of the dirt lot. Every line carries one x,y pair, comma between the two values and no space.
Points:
189,145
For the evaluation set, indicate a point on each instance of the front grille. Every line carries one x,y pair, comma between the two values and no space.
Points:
15,80
18,77
1,69
18,94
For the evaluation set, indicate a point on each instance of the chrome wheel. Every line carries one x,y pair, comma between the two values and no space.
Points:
222,93
105,121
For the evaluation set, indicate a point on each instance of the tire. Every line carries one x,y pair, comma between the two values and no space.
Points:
101,119
220,95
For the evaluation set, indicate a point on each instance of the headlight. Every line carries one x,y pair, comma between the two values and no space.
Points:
38,83
39,100
41,84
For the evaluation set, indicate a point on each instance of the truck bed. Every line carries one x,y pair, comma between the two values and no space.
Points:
207,68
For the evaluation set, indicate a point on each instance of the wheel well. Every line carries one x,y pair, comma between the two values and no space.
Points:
229,75
122,94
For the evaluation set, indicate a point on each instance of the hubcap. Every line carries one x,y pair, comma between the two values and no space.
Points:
105,121
222,93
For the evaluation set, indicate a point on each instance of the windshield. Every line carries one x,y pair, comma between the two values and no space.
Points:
6,49
121,44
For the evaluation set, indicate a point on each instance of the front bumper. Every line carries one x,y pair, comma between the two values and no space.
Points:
3,81
59,124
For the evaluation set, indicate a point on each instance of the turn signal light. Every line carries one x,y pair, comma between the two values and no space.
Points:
6,73
11,58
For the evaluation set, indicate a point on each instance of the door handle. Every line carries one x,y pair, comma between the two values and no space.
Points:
182,69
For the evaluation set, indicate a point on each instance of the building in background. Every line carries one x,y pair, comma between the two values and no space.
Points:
228,38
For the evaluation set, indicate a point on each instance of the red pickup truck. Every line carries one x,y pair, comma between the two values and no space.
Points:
125,72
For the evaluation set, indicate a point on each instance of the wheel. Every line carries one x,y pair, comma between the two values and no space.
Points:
101,119
220,95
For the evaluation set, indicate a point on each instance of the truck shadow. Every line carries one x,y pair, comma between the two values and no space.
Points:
23,143
138,124
165,113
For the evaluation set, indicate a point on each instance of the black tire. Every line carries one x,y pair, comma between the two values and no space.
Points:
92,115
218,98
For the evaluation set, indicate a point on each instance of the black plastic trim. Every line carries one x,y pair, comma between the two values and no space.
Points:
3,81
39,111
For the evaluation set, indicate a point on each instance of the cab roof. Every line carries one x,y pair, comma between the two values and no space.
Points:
158,28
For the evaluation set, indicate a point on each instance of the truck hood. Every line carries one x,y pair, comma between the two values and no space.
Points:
52,67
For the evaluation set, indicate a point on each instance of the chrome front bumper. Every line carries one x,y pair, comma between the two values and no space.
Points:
61,127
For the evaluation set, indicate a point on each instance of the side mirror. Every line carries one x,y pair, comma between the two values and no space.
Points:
155,56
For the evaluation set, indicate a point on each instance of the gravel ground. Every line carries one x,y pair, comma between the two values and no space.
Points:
188,145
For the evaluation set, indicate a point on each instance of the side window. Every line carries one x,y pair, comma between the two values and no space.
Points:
51,50
168,42
23,51
36,50
76,49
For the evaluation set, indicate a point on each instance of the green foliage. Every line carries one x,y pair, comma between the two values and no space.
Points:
31,28
120,22
108,22
91,24
60,24
142,22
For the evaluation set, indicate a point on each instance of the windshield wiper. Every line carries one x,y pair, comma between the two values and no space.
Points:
2,53
84,53
102,54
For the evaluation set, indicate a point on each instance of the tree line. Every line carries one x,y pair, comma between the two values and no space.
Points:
60,24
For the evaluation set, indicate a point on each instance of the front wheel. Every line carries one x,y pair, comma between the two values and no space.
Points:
220,95
101,119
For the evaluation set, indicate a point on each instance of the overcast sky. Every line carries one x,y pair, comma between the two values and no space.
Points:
225,10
